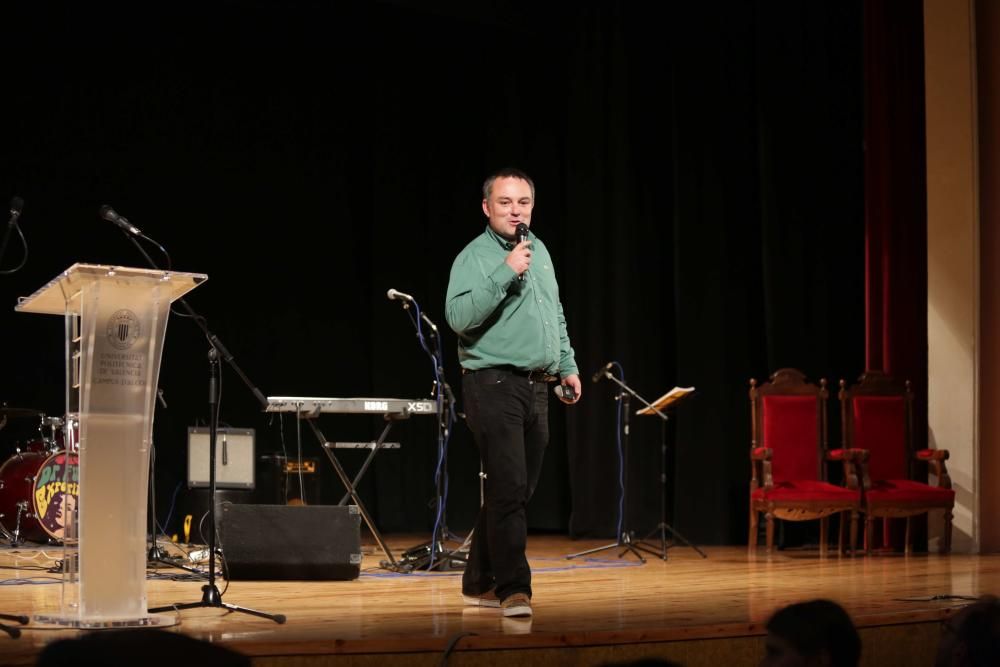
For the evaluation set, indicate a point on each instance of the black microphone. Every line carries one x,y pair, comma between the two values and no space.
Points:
398,296
521,234
111,215
602,372
16,206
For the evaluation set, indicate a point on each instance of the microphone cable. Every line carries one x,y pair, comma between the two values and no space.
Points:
449,420
16,206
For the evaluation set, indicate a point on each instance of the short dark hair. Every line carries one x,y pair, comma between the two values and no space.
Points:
506,172
816,626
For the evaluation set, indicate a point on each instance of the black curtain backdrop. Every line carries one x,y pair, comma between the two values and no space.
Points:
700,187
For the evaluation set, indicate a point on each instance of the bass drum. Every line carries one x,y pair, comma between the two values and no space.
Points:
36,493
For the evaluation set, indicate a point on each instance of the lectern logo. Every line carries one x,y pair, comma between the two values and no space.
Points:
123,329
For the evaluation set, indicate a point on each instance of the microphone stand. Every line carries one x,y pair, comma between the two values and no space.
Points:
199,320
11,226
624,541
211,597
432,555
6,236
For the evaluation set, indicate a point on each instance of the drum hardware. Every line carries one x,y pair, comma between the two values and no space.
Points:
8,413
47,437
14,537
22,511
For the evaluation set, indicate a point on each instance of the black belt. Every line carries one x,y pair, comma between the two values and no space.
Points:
534,375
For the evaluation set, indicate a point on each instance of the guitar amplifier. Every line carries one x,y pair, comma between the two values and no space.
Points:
271,542
234,458
284,481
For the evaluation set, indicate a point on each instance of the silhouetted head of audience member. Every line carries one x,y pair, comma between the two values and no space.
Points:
817,633
644,662
146,646
971,637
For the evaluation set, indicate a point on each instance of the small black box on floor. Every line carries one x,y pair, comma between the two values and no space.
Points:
266,542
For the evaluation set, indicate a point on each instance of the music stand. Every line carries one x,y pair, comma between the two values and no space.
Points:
658,408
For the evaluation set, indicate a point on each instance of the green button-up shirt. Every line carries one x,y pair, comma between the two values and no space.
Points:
503,321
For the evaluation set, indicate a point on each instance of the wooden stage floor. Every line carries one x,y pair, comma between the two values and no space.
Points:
603,609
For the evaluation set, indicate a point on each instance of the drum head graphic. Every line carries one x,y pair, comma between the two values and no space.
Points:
57,489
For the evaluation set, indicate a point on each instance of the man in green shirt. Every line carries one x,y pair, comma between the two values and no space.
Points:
503,302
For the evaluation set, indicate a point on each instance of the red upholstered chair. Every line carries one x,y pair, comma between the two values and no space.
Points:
877,416
788,454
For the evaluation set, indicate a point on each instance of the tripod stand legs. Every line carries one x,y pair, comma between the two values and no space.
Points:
624,543
662,529
663,526
212,598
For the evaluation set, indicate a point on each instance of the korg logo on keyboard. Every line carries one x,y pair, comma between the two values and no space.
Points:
377,406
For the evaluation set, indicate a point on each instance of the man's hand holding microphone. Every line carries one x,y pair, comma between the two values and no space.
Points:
519,259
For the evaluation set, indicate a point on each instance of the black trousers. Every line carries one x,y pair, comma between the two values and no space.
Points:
509,418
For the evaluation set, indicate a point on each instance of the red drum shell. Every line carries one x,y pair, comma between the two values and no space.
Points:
17,484
38,483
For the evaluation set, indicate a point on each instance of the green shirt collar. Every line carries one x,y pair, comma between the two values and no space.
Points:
504,243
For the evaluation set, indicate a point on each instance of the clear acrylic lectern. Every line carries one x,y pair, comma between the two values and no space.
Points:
115,318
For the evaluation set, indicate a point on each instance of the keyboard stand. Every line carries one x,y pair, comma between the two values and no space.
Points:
308,409
351,486
376,447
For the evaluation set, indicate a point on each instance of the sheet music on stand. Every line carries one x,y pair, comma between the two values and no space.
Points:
667,400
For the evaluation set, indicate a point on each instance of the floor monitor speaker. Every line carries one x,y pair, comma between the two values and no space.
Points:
307,542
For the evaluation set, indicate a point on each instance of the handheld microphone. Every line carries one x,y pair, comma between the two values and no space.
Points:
394,295
602,372
111,215
521,234
16,206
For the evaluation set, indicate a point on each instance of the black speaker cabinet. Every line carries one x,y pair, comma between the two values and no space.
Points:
267,542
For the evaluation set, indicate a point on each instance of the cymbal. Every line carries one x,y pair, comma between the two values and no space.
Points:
19,412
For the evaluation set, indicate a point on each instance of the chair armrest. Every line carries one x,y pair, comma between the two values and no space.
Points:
935,458
854,460
852,455
760,468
